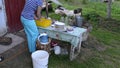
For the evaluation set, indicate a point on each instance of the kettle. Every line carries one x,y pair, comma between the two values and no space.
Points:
43,38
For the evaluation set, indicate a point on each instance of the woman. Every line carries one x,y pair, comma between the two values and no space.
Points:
28,18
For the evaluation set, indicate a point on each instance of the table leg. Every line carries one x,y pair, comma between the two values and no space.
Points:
74,51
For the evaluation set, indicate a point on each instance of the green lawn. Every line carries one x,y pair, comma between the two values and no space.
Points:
110,57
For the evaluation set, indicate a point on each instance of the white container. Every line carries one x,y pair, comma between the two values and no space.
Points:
57,50
40,59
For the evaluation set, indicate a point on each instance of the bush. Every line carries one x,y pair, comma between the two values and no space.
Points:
92,16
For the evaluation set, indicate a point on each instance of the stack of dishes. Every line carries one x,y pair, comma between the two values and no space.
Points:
59,26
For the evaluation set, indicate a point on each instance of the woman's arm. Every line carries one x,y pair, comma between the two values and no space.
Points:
38,14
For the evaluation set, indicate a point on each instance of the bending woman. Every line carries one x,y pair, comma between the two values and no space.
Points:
28,18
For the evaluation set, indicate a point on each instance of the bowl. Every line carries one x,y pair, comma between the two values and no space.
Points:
43,22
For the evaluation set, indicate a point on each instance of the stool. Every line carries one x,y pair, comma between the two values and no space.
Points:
45,47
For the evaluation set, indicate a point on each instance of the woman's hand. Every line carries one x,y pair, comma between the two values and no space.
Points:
35,17
39,12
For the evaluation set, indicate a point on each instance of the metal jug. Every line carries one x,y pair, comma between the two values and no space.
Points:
78,21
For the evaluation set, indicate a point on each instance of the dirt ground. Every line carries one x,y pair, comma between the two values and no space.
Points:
22,59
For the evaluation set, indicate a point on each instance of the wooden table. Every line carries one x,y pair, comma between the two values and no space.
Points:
74,37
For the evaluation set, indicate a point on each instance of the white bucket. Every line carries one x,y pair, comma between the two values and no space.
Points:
40,59
57,50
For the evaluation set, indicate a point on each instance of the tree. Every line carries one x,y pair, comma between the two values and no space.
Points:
109,3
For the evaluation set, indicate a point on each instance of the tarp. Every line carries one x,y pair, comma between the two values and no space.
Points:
56,2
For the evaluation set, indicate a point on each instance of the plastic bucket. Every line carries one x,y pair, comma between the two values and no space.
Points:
57,50
40,59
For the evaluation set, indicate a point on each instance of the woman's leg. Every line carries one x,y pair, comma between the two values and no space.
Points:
31,32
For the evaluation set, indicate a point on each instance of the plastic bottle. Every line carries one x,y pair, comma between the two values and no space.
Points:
66,21
62,19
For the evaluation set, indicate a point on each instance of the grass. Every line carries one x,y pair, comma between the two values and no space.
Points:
110,58
106,36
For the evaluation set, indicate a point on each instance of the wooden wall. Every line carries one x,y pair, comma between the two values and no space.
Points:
13,11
